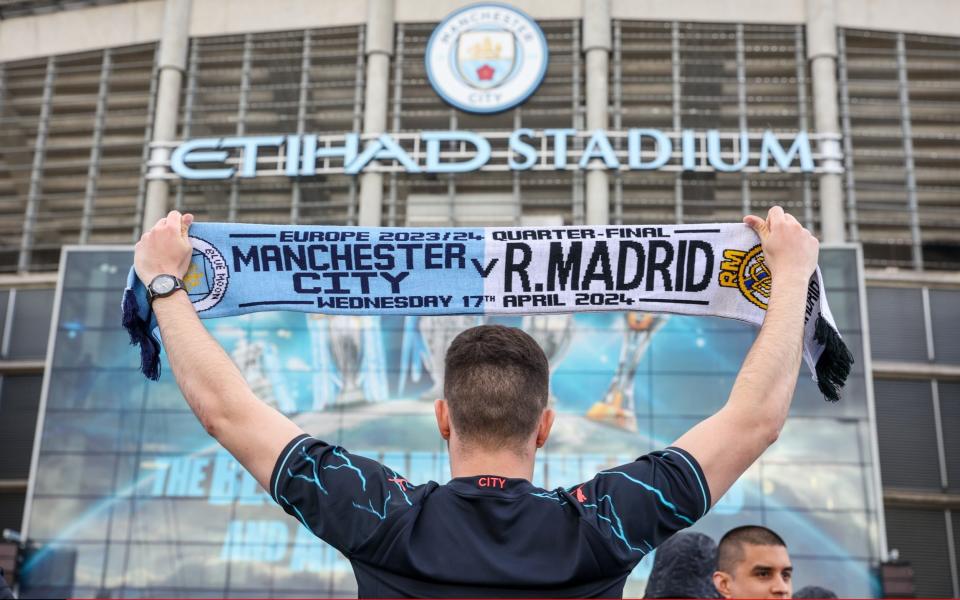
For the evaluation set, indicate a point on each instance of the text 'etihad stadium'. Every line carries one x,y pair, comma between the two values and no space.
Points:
518,150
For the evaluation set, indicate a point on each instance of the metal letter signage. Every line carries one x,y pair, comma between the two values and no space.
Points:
457,151
486,58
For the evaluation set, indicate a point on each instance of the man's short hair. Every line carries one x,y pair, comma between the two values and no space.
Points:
496,382
730,550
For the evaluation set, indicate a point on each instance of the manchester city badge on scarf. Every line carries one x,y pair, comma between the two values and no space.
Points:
707,270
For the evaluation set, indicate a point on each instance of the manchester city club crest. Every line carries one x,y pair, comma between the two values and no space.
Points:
486,58
207,277
747,271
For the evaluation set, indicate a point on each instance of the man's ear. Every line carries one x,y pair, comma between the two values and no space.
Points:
546,423
721,581
442,410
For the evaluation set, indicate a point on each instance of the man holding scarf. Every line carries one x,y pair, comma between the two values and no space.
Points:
489,531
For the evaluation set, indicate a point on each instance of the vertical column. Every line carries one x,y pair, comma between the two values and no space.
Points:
302,99
853,220
243,104
145,152
379,49
801,68
742,114
596,48
188,103
36,170
174,40
395,120
822,54
93,166
675,75
903,87
618,117
576,115
357,120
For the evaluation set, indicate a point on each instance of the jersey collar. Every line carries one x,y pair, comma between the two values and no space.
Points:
490,484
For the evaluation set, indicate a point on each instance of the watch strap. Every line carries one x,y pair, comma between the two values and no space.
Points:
177,285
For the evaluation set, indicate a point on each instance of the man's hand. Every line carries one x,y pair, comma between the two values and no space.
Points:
789,250
165,249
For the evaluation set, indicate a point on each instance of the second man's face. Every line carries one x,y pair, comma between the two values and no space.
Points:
764,572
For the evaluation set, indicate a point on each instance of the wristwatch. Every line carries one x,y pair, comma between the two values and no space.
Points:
163,285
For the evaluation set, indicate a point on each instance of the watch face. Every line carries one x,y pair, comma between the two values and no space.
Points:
163,284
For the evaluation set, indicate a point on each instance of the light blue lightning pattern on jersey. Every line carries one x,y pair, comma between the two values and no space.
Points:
653,490
616,525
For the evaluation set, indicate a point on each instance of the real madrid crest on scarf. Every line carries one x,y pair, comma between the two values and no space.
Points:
746,271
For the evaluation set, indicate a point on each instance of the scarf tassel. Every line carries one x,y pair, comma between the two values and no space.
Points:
835,362
139,331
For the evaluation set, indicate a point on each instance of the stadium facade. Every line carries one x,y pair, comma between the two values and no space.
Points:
318,112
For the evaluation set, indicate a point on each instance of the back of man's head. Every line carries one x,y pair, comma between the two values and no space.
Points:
496,382
752,562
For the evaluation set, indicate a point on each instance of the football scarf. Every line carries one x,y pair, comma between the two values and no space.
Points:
706,270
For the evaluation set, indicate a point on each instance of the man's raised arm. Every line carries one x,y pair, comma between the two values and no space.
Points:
252,431
727,443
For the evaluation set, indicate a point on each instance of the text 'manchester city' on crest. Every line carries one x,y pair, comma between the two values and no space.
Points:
486,58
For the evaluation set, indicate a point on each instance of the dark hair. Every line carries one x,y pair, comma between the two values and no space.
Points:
496,382
730,549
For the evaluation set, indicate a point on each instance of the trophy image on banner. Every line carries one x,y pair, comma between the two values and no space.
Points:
437,334
346,349
617,407
553,333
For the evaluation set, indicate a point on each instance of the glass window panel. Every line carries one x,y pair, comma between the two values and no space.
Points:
808,400
85,309
19,403
164,394
819,440
906,434
31,324
676,350
97,389
88,519
896,324
84,349
838,266
814,486
82,474
181,520
921,538
11,510
175,565
689,394
945,316
845,308
98,270
950,418
578,433
57,569
360,433
91,431
174,432
843,534
846,578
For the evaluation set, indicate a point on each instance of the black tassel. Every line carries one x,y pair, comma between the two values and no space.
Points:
139,331
833,368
